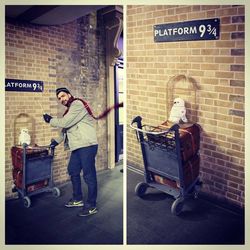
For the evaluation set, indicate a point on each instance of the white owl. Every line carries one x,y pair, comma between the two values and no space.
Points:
24,137
178,111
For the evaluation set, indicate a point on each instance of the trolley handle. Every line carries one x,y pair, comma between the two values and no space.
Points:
174,127
52,149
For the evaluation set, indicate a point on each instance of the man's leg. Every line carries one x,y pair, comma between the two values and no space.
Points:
74,169
88,155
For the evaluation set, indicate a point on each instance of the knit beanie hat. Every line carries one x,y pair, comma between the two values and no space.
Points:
63,89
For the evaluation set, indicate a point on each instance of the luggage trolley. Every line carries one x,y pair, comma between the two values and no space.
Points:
32,171
31,164
164,167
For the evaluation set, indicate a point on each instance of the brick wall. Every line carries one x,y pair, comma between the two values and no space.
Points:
71,55
215,69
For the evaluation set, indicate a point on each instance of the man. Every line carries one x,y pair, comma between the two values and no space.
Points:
79,136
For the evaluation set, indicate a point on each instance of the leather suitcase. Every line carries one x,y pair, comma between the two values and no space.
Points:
189,138
18,180
17,162
31,152
190,172
164,180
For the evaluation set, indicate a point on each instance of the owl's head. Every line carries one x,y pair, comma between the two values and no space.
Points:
24,131
178,102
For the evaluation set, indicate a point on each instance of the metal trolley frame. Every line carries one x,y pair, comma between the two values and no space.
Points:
164,160
36,169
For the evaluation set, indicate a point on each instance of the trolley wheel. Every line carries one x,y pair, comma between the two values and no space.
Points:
141,189
56,192
196,195
19,195
197,189
26,201
177,206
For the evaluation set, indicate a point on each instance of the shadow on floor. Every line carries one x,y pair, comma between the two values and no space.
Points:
149,219
47,221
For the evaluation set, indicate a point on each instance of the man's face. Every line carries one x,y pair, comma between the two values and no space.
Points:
63,98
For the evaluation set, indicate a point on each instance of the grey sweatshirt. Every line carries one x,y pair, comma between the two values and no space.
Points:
78,128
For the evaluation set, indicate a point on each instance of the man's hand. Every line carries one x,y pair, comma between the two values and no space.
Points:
53,143
47,118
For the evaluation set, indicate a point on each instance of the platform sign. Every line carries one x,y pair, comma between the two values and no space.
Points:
23,85
207,29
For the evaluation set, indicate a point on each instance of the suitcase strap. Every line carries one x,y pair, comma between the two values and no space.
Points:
192,138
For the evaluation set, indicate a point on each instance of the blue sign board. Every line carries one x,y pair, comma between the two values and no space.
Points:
207,29
23,85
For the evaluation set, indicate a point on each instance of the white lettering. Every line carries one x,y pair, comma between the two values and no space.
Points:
156,32
162,32
34,86
176,31
18,85
180,31
193,30
186,30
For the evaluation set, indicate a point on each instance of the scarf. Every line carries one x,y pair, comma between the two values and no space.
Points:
85,104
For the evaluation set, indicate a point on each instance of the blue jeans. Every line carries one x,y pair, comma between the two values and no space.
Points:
83,159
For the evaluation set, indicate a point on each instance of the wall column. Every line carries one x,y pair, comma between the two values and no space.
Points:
113,21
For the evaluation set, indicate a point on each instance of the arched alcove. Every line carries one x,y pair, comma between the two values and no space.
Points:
185,87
